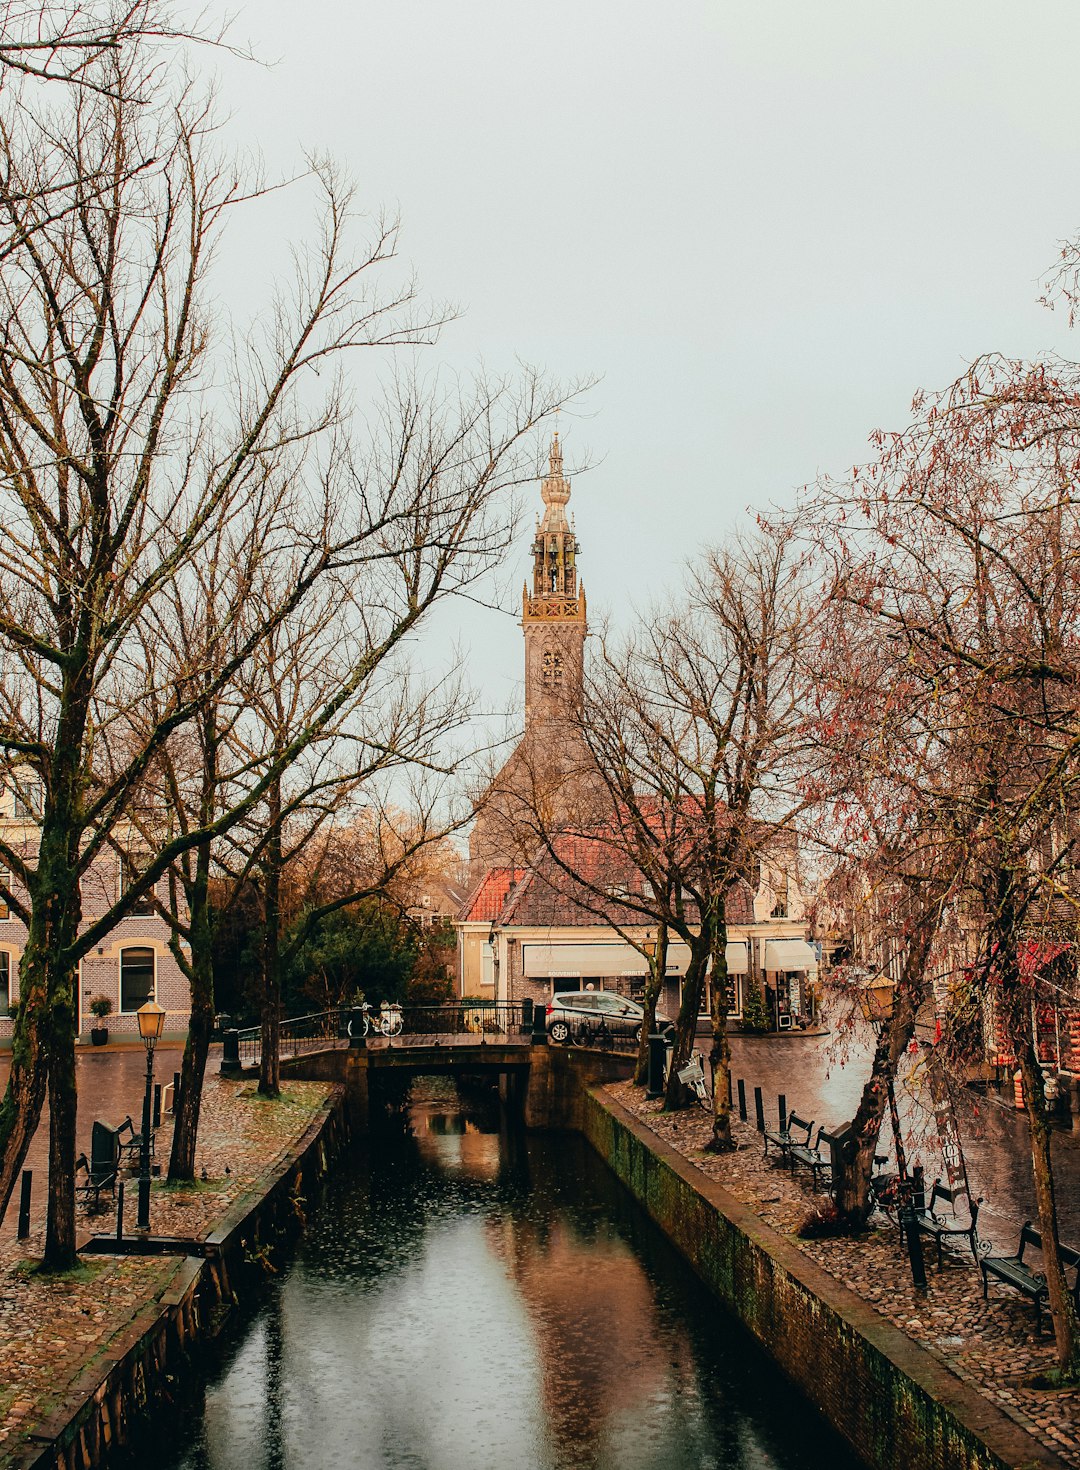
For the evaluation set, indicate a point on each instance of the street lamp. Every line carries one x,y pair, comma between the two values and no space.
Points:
151,1018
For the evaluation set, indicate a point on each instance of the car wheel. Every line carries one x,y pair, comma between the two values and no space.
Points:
559,1031
637,1037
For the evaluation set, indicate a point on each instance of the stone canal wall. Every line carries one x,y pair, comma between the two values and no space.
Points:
897,1405
148,1360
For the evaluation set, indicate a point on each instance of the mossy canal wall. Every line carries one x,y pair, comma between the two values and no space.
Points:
899,1406
148,1361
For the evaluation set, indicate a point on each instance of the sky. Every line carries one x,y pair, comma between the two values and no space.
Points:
761,226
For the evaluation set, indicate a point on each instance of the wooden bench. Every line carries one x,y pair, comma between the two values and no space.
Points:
795,1135
130,1143
1015,1273
928,1221
100,1173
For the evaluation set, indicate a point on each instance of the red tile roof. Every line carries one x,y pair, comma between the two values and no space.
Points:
485,903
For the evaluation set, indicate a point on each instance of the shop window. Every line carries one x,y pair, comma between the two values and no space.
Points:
136,978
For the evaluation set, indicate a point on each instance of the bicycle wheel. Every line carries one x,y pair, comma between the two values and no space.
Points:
581,1034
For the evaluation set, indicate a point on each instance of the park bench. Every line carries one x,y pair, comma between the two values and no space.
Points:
812,1158
1014,1272
927,1220
100,1173
129,1142
796,1134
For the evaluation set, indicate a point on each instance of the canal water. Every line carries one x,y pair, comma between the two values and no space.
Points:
467,1296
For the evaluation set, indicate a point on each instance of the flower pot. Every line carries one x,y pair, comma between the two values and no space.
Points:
99,1035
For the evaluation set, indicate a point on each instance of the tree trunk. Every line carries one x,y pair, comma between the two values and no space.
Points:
852,1189
720,1056
653,986
60,1222
193,1068
270,1047
24,1096
686,1026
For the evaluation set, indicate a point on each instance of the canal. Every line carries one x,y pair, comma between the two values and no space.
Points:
467,1296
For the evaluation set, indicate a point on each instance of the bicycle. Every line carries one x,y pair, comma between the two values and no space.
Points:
387,1021
692,1076
584,1033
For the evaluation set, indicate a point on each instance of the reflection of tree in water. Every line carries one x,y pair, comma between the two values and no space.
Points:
274,1338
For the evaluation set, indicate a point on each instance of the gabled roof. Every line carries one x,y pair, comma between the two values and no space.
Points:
485,903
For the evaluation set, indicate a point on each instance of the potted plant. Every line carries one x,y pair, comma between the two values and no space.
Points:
100,1007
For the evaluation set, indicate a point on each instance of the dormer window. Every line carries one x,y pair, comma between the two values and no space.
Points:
132,866
26,799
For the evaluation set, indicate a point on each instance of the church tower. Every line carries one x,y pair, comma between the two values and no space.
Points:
553,612
550,756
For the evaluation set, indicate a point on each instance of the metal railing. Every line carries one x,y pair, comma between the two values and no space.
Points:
460,1023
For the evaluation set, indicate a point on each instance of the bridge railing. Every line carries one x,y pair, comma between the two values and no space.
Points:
460,1022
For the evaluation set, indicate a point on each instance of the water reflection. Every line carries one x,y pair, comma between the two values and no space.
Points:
465,1297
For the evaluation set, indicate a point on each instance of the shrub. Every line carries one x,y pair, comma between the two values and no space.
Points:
100,1007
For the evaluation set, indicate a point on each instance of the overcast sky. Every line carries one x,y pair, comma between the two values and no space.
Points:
761,225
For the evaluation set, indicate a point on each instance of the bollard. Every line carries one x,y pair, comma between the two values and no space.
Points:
742,1099
539,1026
24,1203
759,1110
355,1029
230,1054
157,1104
175,1092
729,1084
781,1107
914,1247
654,1085
120,1211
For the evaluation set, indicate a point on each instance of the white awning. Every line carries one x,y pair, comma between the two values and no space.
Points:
559,960
789,954
737,958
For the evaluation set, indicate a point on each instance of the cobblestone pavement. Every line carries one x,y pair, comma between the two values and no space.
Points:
992,1345
822,1078
52,1328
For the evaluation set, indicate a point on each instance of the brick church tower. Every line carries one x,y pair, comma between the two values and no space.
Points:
553,613
547,764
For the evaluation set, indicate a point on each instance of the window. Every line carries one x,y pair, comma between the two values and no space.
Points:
136,978
132,864
5,982
26,799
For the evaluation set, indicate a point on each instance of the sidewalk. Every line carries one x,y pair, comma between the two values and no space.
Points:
53,1329
991,1345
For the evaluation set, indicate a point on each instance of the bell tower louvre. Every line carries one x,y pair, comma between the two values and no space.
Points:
548,760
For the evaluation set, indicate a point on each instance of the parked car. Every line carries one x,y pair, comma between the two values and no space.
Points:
573,1015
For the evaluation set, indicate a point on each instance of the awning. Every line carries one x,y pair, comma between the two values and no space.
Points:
789,954
737,958
596,960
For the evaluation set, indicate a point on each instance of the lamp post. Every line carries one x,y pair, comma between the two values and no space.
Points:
151,1019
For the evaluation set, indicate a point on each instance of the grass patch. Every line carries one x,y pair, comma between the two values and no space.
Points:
1051,1378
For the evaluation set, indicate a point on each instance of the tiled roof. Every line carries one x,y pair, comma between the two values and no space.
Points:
485,903
599,889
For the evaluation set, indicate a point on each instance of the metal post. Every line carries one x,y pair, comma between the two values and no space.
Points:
914,1246
781,1102
654,1086
527,1014
175,1092
742,1099
144,1151
539,1026
357,1039
759,1110
729,1087
230,1054
157,1104
120,1211
24,1203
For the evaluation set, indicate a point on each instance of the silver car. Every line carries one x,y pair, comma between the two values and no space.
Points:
577,1015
